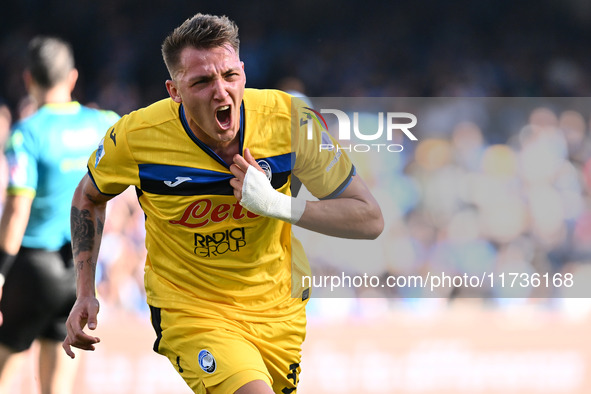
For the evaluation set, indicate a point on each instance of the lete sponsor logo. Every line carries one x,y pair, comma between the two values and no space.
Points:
202,212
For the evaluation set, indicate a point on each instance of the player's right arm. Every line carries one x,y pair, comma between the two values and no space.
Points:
86,219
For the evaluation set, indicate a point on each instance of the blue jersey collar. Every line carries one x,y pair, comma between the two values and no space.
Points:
202,144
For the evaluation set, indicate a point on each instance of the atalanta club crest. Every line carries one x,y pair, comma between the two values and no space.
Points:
207,361
267,168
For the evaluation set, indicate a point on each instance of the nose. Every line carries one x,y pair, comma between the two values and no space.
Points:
219,89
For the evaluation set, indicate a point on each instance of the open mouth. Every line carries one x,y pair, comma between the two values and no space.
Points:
224,116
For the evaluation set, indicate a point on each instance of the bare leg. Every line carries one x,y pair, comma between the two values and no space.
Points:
11,369
57,372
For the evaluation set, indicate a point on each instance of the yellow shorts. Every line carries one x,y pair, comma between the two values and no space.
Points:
220,356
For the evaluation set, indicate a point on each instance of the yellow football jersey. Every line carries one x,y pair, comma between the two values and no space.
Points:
205,251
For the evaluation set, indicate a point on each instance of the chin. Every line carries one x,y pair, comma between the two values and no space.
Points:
227,135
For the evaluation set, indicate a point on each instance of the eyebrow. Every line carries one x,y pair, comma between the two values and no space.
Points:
207,78
231,70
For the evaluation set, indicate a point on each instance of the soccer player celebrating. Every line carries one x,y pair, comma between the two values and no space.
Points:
213,168
47,154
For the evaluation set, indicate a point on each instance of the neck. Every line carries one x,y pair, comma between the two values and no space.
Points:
55,95
228,151
224,149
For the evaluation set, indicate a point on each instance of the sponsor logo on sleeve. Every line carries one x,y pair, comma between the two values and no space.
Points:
100,152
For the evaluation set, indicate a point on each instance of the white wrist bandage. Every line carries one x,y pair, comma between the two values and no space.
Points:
258,196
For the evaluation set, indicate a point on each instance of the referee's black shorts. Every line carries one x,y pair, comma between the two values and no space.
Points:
37,296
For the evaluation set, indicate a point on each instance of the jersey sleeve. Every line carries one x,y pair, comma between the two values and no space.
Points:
21,155
112,166
325,170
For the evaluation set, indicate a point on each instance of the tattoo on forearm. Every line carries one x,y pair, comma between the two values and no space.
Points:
82,230
81,263
99,227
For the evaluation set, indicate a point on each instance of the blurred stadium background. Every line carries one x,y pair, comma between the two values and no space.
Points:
513,197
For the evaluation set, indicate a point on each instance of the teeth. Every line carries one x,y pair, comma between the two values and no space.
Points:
225,107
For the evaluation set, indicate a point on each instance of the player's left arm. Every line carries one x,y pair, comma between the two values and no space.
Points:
354,213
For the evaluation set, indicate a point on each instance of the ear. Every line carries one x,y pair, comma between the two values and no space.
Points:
72,78
173,91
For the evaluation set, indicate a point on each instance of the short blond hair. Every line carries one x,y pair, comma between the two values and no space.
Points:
200,31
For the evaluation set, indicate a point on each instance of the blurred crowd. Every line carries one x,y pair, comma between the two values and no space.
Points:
465,198
492,186
336,48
